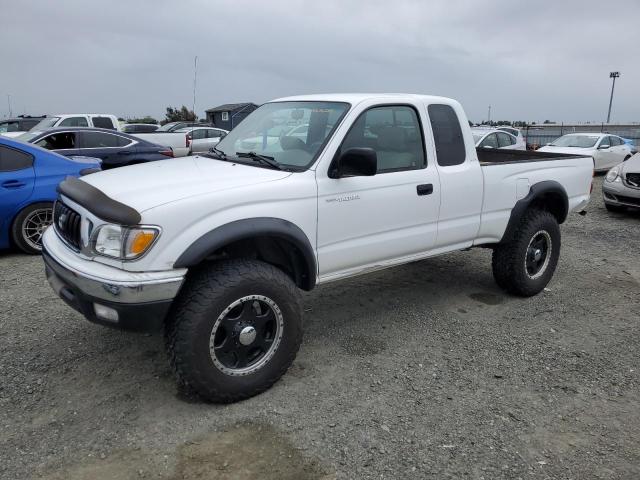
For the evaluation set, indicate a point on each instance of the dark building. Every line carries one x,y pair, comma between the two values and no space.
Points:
229,115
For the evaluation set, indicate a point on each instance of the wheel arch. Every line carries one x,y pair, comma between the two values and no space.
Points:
273,240
547,195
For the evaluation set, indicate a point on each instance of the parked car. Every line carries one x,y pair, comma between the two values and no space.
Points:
621,187
22,123
521,144
173,126
96,120
493,138
215,248
607,150
29,176
115,149
632,145
202,139
178,142
139,127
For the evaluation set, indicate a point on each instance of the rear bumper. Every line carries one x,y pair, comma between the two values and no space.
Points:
131,303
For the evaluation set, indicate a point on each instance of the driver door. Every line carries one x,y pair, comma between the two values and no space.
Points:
365,221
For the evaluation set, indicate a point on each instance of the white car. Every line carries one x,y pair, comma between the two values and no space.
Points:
521,144
621,187
97,120
494,138
202,139
216,248
605,149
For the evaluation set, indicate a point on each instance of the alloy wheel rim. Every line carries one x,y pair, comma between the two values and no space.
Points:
246,335
34,225
538,254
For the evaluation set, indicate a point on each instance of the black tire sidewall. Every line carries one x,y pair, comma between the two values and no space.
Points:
546,222
201,372
16,228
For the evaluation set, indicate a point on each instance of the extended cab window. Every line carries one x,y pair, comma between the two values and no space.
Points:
58,141
74,122
394,133
103,122
447,135
12,160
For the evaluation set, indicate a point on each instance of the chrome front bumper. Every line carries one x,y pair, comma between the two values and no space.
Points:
141,300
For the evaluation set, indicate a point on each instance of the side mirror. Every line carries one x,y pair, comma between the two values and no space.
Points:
604,146
356,162
487,146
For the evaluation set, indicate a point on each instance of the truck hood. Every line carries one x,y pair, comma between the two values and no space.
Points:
571,150
152,184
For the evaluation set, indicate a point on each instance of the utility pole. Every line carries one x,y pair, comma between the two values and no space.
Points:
195,73
613,75
489,116
9,103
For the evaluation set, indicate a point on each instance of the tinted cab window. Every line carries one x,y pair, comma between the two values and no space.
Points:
103,122
447,135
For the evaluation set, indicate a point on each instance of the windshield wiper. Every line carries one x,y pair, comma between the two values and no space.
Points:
265,160
215,152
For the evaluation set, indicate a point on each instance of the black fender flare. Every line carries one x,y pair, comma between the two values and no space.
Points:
246,229
538,191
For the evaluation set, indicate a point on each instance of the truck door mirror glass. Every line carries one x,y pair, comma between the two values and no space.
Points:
357,162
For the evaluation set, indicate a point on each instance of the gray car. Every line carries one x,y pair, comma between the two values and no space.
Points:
621,187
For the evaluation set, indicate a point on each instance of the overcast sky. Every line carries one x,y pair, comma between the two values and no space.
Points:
528,60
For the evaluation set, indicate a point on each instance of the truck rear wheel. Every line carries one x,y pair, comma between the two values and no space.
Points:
235,329
524,264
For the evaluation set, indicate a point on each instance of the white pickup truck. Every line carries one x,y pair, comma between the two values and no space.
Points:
215,249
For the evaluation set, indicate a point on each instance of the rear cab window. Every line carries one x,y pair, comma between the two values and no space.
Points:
447,135
103,122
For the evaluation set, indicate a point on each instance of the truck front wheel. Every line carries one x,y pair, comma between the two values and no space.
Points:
235,330
524,264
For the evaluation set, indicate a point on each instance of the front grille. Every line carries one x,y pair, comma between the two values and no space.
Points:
67,223
633,179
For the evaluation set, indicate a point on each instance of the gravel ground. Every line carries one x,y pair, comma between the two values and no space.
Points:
423,371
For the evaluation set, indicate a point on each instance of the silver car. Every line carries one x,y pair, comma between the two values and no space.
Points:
621,187
202,139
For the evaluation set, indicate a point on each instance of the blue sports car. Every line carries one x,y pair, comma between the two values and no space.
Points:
29,176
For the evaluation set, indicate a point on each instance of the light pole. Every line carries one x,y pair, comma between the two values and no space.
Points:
489,115
613,75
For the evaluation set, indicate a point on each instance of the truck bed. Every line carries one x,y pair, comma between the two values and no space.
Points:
492,156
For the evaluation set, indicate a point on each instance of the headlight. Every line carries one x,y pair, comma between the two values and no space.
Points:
124,243
613,174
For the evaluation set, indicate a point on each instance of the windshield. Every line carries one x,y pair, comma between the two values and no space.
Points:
45,123
292,133
579,141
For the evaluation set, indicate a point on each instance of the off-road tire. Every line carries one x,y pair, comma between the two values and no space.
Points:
17,233
210,290
509,257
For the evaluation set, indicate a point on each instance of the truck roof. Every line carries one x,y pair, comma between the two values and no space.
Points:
354,98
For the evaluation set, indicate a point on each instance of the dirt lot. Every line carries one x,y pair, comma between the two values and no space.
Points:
424,371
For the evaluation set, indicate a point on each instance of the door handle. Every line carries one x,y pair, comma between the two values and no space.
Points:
13,184
425,189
